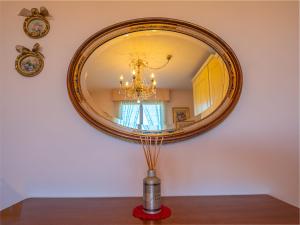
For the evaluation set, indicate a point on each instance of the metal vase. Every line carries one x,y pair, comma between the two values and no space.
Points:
151,193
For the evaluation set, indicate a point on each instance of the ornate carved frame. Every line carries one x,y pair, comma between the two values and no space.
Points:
27,22
106,34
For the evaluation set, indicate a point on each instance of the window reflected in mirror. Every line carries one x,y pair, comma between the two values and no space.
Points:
136,80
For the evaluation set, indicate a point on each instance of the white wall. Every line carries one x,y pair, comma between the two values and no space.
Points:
298,106
1,96
50,151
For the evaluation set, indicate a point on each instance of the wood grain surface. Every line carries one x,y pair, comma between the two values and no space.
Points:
239,209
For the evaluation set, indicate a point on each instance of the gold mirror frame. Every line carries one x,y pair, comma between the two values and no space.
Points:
200,33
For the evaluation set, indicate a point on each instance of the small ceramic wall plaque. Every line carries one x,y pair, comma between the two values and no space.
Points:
30,62
35,25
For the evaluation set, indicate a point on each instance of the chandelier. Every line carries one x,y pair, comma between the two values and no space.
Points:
139,88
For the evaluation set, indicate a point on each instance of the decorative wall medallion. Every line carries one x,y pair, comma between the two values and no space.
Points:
29,63
36,25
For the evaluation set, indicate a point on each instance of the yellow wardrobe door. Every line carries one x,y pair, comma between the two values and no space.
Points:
201,92
218,79
210,86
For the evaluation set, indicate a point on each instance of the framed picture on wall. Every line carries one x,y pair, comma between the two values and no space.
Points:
180,114
36,24
29,63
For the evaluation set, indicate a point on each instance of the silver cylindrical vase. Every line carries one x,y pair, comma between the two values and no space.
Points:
151,193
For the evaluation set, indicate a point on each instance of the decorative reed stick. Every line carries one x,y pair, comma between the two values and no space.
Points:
151,147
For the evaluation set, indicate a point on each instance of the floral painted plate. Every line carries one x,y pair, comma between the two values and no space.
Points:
29,63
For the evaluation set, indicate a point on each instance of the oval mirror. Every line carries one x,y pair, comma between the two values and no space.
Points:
154,76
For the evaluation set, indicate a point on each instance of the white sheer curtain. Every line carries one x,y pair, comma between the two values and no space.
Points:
129,114
153,115
149,115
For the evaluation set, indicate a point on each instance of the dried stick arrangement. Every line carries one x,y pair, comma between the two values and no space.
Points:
151,147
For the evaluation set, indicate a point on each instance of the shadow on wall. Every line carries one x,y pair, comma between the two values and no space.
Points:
8,195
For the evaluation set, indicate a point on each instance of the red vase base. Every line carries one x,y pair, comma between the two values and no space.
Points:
138,212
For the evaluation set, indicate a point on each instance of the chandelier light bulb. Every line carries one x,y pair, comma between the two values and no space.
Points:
126,84
152,75
154,82
121,78
133,72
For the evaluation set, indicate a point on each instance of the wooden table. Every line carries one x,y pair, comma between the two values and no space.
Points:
240,209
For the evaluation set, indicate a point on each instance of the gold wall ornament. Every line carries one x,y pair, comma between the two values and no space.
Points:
35,25
30,62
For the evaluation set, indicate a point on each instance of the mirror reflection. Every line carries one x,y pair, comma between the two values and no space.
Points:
154,81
